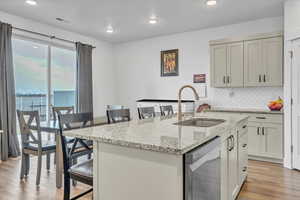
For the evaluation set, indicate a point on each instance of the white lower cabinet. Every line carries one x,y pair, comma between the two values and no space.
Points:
234,161
265,136
272,134
265,140
254,139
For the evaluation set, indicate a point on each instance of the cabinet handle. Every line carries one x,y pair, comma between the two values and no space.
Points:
259,78
224,79
229,143
258,130
232,143
263,130
244,145
245,126
264,78
260,117
228,79
244,169
231,146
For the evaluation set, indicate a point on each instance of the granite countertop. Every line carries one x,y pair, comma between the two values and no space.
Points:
159,134
245,110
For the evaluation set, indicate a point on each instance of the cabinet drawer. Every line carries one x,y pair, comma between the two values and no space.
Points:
263,118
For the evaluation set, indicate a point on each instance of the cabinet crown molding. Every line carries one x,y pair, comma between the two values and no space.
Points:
246,38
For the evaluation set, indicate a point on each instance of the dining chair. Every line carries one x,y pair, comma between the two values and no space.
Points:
146,112
166,110
57,110
33,143
82,171
116,116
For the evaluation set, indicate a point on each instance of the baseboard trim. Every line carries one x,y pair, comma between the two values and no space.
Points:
272,160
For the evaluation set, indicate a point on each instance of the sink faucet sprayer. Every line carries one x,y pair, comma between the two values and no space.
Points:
179,99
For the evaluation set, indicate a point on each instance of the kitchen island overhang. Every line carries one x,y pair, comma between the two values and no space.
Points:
144,159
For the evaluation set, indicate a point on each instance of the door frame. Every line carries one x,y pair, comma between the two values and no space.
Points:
295,146
287,162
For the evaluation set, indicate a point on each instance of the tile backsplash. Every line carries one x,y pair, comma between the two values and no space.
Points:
256,97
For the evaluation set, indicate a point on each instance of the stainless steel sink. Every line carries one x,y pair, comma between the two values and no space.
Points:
201,122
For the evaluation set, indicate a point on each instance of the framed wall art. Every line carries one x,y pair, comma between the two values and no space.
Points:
169,63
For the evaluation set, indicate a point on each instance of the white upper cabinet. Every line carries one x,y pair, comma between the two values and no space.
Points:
219,63
272,62
235,59
263,62
253,64
227,65
247,62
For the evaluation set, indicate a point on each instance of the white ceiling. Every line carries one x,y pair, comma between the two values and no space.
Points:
130,17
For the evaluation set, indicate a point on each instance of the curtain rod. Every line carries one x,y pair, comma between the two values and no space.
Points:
45,35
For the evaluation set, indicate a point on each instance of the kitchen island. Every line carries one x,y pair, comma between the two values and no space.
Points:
143,159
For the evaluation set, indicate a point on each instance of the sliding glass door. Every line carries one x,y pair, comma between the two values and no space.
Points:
63,77
31,67
45,76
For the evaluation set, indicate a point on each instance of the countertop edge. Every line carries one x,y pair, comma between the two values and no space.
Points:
144,147
247,111
154,148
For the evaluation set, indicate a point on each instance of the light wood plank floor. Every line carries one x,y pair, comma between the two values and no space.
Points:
266,181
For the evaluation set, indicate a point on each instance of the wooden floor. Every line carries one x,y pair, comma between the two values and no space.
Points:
266,181
11,188
270,181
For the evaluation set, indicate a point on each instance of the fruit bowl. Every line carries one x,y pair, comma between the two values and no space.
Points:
275,108
276,105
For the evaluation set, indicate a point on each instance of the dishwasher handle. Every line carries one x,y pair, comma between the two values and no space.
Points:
202,150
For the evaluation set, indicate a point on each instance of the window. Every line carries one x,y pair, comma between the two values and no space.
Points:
45,75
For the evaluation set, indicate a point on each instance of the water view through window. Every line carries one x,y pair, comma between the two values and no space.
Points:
45,76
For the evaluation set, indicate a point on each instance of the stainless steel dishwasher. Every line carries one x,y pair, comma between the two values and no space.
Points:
203,172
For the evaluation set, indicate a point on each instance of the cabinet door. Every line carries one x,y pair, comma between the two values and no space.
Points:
272,141
233,180
218,65
272,61
235,64
254,139
253,67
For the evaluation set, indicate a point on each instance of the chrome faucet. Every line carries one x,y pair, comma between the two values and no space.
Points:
179,99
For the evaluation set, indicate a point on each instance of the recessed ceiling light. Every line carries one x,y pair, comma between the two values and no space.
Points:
211,2
109,29
35,47
153,20
31,2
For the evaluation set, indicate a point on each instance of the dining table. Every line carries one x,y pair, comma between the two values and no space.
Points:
53,127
